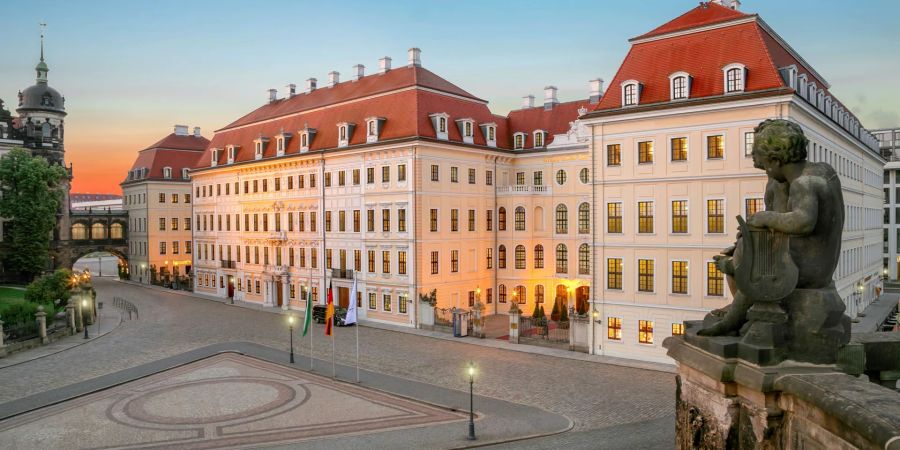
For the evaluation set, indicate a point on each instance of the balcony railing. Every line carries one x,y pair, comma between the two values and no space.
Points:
523,189
342,274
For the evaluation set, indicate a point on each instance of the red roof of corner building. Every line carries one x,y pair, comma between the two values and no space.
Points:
175,151
706,14
553,121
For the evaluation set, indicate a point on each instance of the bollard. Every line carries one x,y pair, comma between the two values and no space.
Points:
41,317
478,320
70,316
514,314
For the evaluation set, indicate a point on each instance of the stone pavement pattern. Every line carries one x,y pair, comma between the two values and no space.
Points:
594,396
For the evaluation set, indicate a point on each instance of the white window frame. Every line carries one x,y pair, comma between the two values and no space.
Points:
687,85
466,130
672,224
259,145
687,140
214,157
706,135
637,276
489,130
637,216
524,140
637,92
743,78
167,173
706,293
671,274
706,216
543,137
185,174
436,123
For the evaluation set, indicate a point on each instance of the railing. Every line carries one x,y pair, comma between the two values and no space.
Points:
126,306
523,189
342,274
543,330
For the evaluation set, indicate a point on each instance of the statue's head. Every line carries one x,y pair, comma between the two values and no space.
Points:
778,142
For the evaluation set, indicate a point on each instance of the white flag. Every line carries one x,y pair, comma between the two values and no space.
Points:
351,310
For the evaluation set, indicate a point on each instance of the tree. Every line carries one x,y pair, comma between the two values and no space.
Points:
30,198
54,288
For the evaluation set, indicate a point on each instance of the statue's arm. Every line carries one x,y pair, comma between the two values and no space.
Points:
802,214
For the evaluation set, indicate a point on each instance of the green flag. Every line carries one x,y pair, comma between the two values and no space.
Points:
307,322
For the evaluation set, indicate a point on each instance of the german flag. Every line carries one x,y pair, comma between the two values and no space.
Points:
329,312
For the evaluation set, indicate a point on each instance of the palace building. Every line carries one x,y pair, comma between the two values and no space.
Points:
404,182
671,144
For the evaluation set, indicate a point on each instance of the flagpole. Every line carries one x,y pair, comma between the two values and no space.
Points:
309,306
357,345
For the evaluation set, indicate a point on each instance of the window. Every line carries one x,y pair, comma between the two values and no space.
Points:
402,301
435,173
162,248
584,259
385,220
520,178
520,218
401,262
539,256
539,294
584,175
679,87
753,206
471,220
679,149
370,175
454,174
401,220
715,280
562,259
385,262
645,152
519,295
489,177
501,257
372,300
327,180
584,218
645,331
489,257
386,302
501,293
734,78
614,155
562,219
614,328
370,264
538,178
748,143
162,223
679,216
356,221
489,220
630,94
434,220
538,139
520,257
715,148
434,263
519,141
715,216
167,172
471,176
454,261
385,174
401,172
645,275
355,178
645,217
174,198
561,177
679,277
162,197
677,329
614,273
370,220
175,223
501,219
454,220
613,217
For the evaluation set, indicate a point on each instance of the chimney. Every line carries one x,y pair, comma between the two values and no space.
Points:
596,90
384,64
292,89
415,58
528,101
181,130
359,71
550,97
334,77
197,132
310,85
273,95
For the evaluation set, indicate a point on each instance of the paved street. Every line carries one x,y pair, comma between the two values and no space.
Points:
603,401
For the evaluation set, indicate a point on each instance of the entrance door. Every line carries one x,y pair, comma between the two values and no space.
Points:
344,297
280,291
230,286
561,302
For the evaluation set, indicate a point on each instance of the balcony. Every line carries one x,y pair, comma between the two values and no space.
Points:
228,264
523,189
342,274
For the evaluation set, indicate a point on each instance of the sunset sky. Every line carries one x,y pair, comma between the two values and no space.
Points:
130,70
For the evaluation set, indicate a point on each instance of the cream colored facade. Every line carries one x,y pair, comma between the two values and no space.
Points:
636,312
159,227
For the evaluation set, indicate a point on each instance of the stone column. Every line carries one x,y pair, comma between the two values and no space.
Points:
2,345
79,316
514,314
478,320
286,293
41,317
571,328
70,315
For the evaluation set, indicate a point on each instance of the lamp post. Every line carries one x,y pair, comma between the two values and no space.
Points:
291,332
143,268
471,401
84,305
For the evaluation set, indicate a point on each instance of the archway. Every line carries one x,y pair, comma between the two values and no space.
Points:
561,303
101,262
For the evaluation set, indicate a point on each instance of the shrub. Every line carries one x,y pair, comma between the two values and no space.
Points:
537,314
563,314
22,312
554,314
53,289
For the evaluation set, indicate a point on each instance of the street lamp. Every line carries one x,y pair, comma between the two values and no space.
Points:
291,332
471,401
84,305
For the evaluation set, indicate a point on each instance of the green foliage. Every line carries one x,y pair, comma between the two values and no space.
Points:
21,312
554,314
563,314
30,197
53,289
538,311
430,298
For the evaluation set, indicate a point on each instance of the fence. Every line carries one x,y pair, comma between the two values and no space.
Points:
126,307
543,331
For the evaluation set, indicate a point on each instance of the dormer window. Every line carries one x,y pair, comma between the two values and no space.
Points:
167,172
679,86
466,130
306,137
489,131
631,93
259,146
281,142
519,140
184,174
439,121
539,137
735,75
345,132
373,128
232,153
214,159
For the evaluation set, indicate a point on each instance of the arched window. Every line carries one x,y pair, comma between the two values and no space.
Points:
520,257
79,232
561,177
584,175
631,94
116,231
501,219
562,259
539,294
539,256
501,257
734,77
582,299
584,259
584,218
167,172
538,218
680,86
98,231
562,219
501,293
519,295
520,218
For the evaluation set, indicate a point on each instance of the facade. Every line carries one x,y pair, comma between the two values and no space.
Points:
157,197
889,143
671,145
403,182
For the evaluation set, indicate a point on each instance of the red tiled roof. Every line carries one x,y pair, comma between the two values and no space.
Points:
706,14
175,151
181,142
553,121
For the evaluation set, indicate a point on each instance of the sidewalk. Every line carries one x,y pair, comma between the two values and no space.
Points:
110,320
875,313
492,343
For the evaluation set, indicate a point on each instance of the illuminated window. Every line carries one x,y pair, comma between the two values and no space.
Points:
613,217
434,263
645,331
645,152
501,219
501,293
454,219
748,143
679,277
520,218
562,219
562,259
645,275
520,257
679,149
679,216
584,259
561,177
715,216
677,329
614,273
715,280
501,257
614,155
715,147
614,328
645,217
454,261
753,206
584,218
539,256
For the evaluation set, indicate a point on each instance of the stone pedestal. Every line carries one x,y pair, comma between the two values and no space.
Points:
41,317
514,314
70,316
478,320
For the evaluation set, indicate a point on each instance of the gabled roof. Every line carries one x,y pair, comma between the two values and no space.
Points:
707,13
175,151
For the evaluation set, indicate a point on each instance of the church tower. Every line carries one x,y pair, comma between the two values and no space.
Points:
41,115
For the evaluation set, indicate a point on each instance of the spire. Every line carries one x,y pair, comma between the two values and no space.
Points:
41,67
